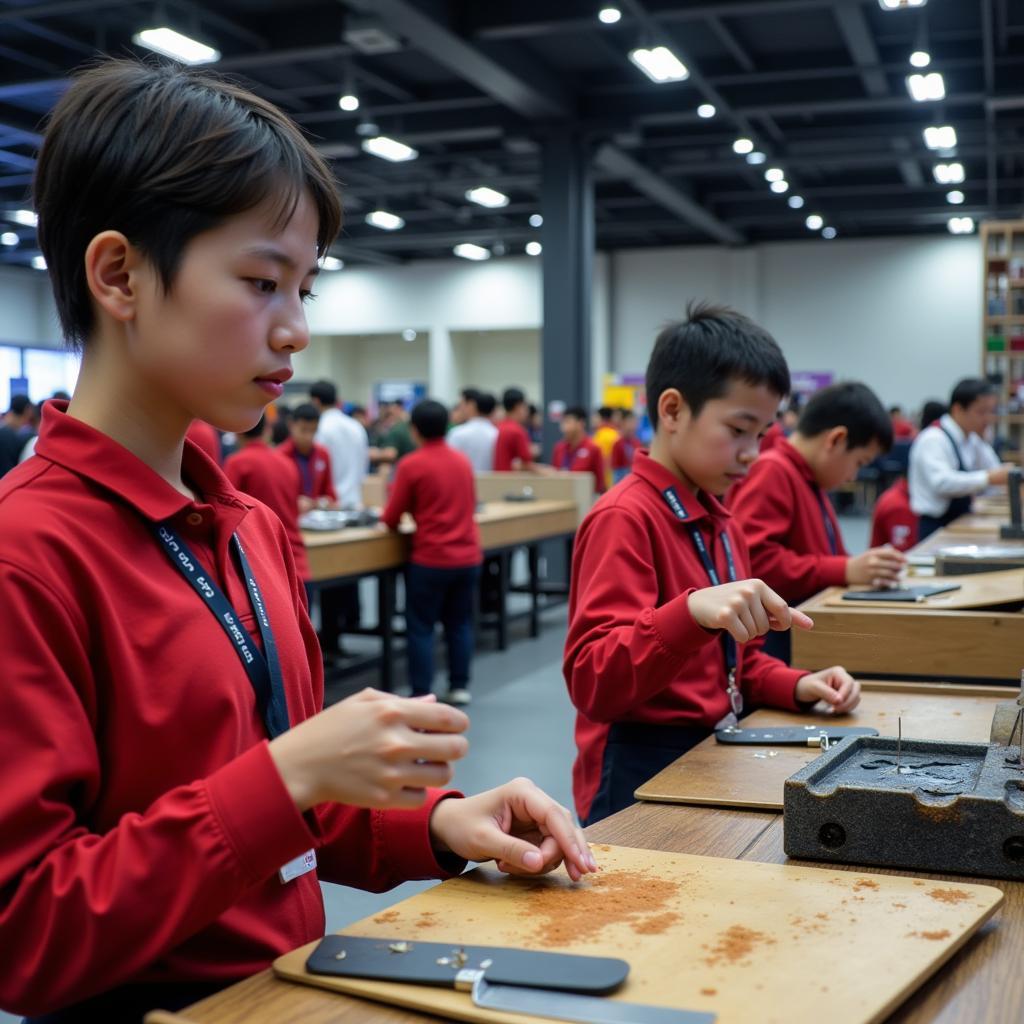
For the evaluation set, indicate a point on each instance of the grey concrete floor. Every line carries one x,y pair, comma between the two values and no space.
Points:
521,724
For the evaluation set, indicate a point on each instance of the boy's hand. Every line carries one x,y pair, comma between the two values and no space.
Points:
745,609
517,825
999,475
835,686
877,567
371,750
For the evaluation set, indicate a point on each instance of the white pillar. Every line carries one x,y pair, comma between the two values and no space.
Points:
441,377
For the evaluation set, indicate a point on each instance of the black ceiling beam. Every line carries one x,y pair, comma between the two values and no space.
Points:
988,51
853,26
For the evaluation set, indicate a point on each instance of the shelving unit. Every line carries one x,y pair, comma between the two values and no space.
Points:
1002,335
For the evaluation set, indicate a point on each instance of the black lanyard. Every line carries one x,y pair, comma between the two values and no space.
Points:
263,669
956,449
830,530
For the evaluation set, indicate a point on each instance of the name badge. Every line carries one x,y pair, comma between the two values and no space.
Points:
301,865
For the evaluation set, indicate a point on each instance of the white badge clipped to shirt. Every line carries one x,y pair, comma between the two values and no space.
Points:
301,865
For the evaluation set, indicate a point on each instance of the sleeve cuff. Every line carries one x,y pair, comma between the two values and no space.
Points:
403,838
678,630
258,816
833,570
780,688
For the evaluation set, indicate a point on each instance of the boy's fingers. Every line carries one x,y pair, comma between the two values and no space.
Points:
433,717
800,620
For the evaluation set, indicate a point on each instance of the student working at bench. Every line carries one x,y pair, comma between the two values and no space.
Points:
784,510
661,613
170,779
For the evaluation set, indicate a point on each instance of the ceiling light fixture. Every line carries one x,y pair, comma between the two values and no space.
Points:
332,263
176,46
706,110
349,102
829,233
956,197
960,225
743,146
659,64
489,197
940,136
815,222
389,149
925,88
757,157
795,202
39,262
948,174
27,217
9,238
778,187
384,220
899,5
774,174
609,15
534,248
408,334
536,220
920,59
469,251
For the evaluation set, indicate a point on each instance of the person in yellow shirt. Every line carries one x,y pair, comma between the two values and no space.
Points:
605,436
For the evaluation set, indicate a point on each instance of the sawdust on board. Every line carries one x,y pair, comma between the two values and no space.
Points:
709,991
936,936
564,915
735,944
864,883
949,895
387,917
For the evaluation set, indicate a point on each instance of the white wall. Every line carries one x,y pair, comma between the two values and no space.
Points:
495,360
903,315
27,315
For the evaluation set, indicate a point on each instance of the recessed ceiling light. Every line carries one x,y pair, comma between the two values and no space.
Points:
469,251
774,174
778,187
39,262
940,136
534,248
815,222
332,263
948,174
757,157
536,220
920,58
924,88
384,220
609,15
828,232
956,197
899,5
27,217
175,45
349,101
706,110
659,64
795,202
960,225
9,238
408,334
389,149
489,197
742,146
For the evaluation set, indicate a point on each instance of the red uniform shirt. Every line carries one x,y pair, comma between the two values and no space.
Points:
201,433
315,472
894,521
623,451
142,819
267,475
773,437
512,442
634,652
435,485
903,429
782,511
585,457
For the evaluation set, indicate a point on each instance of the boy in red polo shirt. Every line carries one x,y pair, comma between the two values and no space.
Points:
512,451
577,452
312,460
893,521
626,447
661,614
783,507
435,485
169,777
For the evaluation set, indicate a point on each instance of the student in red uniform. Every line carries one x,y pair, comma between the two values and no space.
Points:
207,438
893,521
435,485
312,460
661,613
902,428
512,451
169,778
626,447
576,451
784,510
264,473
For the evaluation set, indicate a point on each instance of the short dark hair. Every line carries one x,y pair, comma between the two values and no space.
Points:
357,408
306,411
701,355
852,405
430,419
19,404
486,403
895,410
577,412
931,411
470,395
605,412
256,431
325,393
969,390
162,153
512,398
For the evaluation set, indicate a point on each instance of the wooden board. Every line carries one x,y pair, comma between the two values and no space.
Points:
986,525
978,590
750,777
801,944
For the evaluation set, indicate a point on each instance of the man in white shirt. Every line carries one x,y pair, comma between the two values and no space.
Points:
346,442
475,437
951,461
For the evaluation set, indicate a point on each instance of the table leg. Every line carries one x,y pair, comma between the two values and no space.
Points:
386,624
533,554
503,572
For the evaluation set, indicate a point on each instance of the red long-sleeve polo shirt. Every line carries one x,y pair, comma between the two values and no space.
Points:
315,471
512,442
584,457
435,485
893,521
779,508
269,476
142,819
634,652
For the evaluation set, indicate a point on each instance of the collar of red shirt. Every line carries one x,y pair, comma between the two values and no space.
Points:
91,454
707,506
787,451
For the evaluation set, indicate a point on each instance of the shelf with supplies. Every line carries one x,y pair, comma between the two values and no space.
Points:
1002,326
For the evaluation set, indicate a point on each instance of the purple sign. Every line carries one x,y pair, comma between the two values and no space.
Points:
806,382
